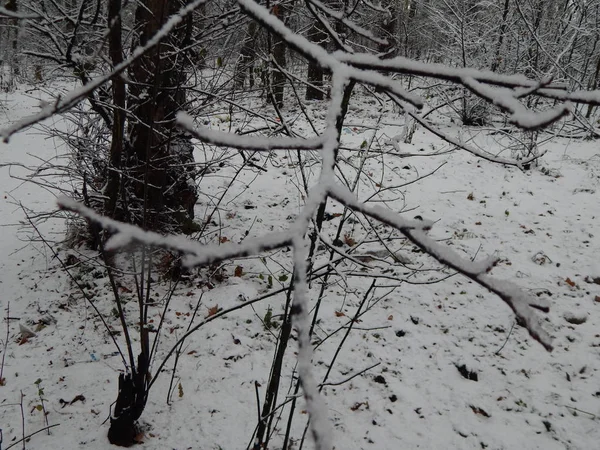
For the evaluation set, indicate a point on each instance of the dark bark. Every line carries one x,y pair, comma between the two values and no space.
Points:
316,74
245,64
118,92
593,85
389,28
13,29
264,425
158,153
131,401
278,78
503,26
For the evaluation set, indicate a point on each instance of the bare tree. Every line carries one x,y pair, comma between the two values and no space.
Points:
159,143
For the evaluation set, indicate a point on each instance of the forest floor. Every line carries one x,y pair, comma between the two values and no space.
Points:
451,369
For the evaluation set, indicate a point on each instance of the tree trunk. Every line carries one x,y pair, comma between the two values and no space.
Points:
131,401
245,64
389,28
316,74
278,77
503,26
118,93
159,154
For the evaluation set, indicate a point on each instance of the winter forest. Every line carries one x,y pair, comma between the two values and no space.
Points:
300,224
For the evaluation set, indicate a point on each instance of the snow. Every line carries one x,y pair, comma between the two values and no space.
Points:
258,144
445,359
16,15
340,16
418,335
67,101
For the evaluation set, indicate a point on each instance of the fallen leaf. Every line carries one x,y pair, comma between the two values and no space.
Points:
224,239
570,282
349,240
390,317
357,405
339,314
479,411
239,271
212,311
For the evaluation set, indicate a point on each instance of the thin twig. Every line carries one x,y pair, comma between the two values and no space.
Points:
2,381
507,338
338,383
24,438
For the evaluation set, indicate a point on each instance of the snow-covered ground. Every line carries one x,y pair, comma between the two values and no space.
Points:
543,224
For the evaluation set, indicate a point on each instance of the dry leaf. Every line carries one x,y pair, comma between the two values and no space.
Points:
239,271
390,317
212,311
224,239
479,411
349,240
339,314
357,405
597,298
570,282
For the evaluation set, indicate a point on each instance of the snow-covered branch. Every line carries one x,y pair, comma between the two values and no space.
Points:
519,115
408,66
66,102
320,55
259,144
195,254
354,27
16,15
